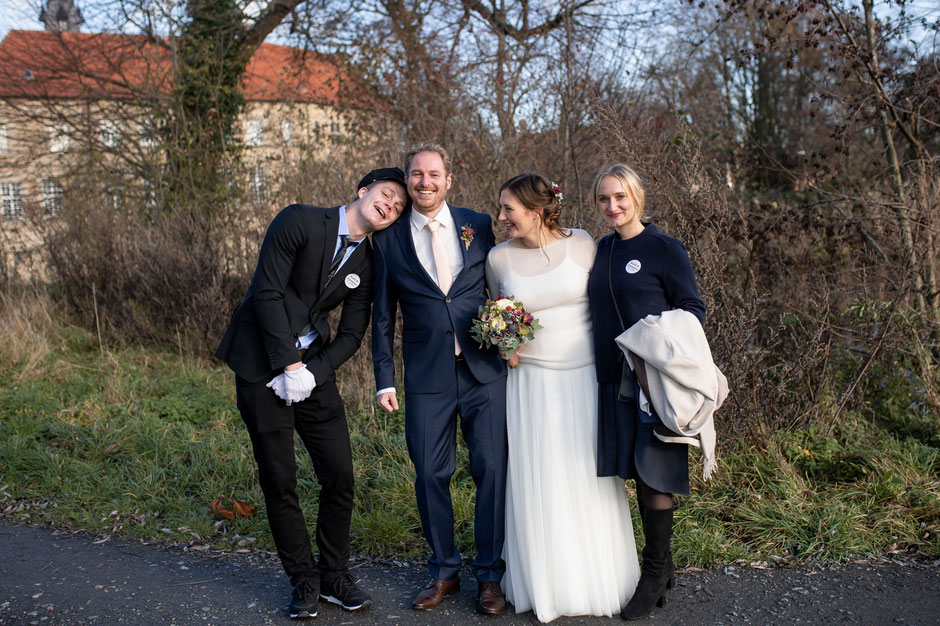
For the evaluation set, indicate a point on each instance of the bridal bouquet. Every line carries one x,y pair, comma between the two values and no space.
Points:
503,323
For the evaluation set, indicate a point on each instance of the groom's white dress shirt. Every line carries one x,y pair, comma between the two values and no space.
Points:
422,238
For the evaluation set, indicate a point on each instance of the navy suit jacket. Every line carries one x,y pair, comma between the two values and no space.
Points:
289,291
430,318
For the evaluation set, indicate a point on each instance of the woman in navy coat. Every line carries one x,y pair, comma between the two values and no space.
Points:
638,271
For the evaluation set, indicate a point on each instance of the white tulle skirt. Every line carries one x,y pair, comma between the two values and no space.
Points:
569,538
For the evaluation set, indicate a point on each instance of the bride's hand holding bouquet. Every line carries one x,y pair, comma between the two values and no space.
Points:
506,324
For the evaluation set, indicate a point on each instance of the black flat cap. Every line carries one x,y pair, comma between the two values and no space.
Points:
393,174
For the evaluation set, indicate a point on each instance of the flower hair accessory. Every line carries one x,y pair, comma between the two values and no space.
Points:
557,191
466,235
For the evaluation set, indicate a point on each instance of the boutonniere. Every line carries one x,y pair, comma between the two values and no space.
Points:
466,235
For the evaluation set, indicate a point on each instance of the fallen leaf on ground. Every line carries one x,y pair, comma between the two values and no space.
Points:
240,508
220,511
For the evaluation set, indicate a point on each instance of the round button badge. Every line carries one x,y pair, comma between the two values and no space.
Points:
633,266
352,280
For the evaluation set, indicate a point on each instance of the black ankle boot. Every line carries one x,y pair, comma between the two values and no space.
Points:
657,572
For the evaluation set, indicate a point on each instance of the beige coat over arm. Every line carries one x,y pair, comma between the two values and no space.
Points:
685,385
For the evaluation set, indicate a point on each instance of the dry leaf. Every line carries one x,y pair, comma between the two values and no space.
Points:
242,508
220,511
239,508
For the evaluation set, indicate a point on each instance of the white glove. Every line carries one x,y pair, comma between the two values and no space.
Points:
293,386
299,384
277,386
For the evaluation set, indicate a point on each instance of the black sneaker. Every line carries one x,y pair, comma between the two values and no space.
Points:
303,602
343,591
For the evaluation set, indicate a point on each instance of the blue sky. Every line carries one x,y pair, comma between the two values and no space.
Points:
18,14
24,14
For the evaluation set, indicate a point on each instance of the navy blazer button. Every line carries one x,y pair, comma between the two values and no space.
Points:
450,332
446,299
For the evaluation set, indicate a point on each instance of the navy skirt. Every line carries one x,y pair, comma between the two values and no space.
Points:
627,447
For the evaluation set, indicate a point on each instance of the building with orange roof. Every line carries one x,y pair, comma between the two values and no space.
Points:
69,98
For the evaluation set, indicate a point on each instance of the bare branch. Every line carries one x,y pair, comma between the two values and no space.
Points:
497,18
270,19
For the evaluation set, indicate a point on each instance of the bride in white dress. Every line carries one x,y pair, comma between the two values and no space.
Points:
569,546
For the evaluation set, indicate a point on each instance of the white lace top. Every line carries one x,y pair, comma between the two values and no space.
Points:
552,284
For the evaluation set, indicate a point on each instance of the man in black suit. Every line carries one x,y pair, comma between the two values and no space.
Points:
278,343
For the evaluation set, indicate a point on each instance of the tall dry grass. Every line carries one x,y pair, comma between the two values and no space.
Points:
28,318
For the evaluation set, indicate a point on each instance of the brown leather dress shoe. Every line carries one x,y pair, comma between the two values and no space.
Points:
434,593
490,599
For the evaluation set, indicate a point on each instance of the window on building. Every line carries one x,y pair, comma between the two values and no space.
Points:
51,197
257,185
149,135
254,132
335,127
287,131
11,201
4,139
110,133
150,194
58,140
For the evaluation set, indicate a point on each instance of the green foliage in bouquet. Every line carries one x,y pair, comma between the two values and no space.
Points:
504,323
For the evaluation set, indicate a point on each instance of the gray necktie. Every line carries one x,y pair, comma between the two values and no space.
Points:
338,257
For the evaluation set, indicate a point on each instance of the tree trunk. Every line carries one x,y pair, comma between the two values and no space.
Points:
208,101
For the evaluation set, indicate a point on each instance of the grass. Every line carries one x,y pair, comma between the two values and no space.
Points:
138,442
808,496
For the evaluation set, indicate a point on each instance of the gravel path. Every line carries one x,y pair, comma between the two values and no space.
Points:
55,577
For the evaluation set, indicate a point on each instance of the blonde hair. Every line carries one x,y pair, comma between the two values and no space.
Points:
630,181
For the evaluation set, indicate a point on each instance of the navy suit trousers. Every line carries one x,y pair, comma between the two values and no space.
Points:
431,434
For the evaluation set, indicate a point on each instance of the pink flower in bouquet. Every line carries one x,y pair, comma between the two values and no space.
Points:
503,323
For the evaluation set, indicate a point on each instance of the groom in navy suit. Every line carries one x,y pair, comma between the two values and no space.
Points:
430,262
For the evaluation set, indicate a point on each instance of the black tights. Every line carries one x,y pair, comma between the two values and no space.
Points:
653,499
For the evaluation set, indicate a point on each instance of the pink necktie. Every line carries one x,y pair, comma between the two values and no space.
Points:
444,279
